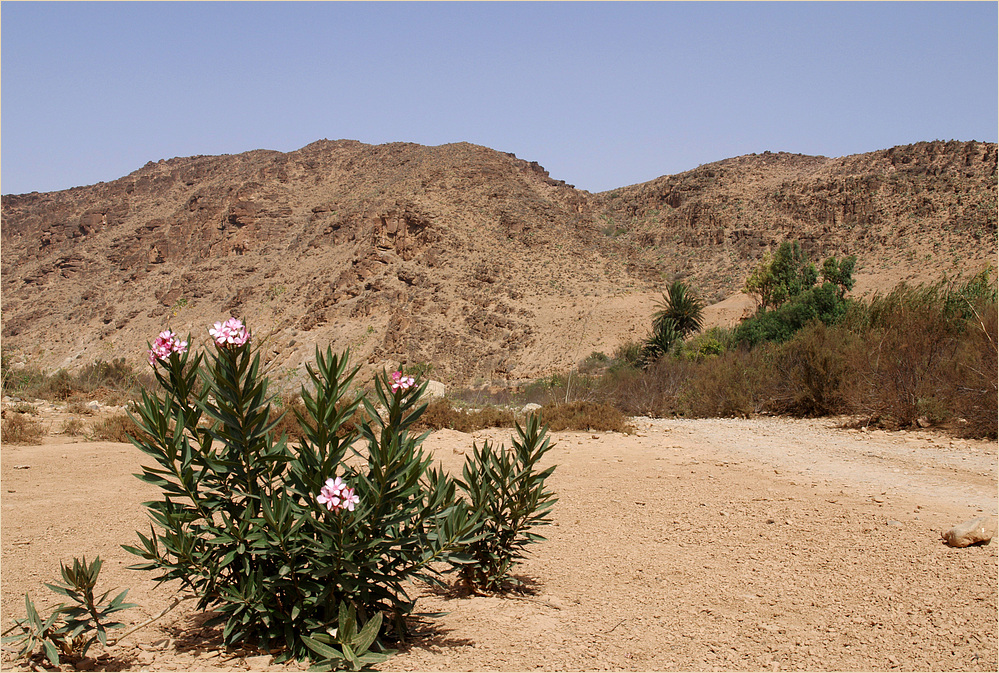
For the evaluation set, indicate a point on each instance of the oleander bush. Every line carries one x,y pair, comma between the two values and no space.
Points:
310,549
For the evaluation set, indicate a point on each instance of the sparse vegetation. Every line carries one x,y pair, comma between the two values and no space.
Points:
18,428
116,428
114,382
72,427
917,355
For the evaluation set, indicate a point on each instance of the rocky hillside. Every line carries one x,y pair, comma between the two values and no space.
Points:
459,256
909,213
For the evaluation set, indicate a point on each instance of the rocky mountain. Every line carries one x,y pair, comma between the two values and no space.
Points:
459,256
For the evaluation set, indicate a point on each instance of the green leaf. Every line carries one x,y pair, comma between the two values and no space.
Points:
322,649
368,633
51,653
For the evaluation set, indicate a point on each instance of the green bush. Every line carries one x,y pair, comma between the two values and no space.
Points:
508,487
299,549
823,304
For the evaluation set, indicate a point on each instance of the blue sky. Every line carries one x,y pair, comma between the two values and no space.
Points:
601,94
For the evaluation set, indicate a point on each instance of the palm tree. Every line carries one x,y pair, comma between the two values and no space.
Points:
681,307
658,344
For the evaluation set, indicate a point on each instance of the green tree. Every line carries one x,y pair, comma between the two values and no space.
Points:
840,272
781,277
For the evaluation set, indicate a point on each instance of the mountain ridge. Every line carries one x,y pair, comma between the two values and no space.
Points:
457,255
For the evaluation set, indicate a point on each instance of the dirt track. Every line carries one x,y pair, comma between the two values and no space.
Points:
707,545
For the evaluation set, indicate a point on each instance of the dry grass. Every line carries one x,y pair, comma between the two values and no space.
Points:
18,428
441,413
116,428
79,408
73,427
584,415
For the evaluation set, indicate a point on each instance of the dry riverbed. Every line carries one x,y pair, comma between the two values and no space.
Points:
722,544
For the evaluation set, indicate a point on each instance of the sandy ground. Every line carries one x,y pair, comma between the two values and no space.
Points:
761,544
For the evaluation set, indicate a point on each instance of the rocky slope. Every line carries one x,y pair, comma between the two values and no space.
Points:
908,213
460,256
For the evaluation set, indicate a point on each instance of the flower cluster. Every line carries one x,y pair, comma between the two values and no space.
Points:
400,382
167,342
230,333
337,495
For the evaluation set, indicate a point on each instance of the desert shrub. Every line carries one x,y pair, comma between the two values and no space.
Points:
739,383
628,354
546,389
709,343
813,372
419,370
59,386
594,362
654,391
115,428
70,630
442,413
114,382
291,546
927,343
18,428
24,408
976,400
73,427
79,408
584,415
19,380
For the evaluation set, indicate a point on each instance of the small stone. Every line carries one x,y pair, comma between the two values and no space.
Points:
93,404
894,524
979,530
258,663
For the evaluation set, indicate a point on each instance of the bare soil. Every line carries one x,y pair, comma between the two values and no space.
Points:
759,544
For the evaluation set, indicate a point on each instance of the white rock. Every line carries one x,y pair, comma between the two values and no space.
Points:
435,389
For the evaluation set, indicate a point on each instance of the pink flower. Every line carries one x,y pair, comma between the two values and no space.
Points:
336,495
349,499
230,333
167,342
400,382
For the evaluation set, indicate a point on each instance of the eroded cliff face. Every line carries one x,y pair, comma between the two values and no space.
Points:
908,207
458,255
